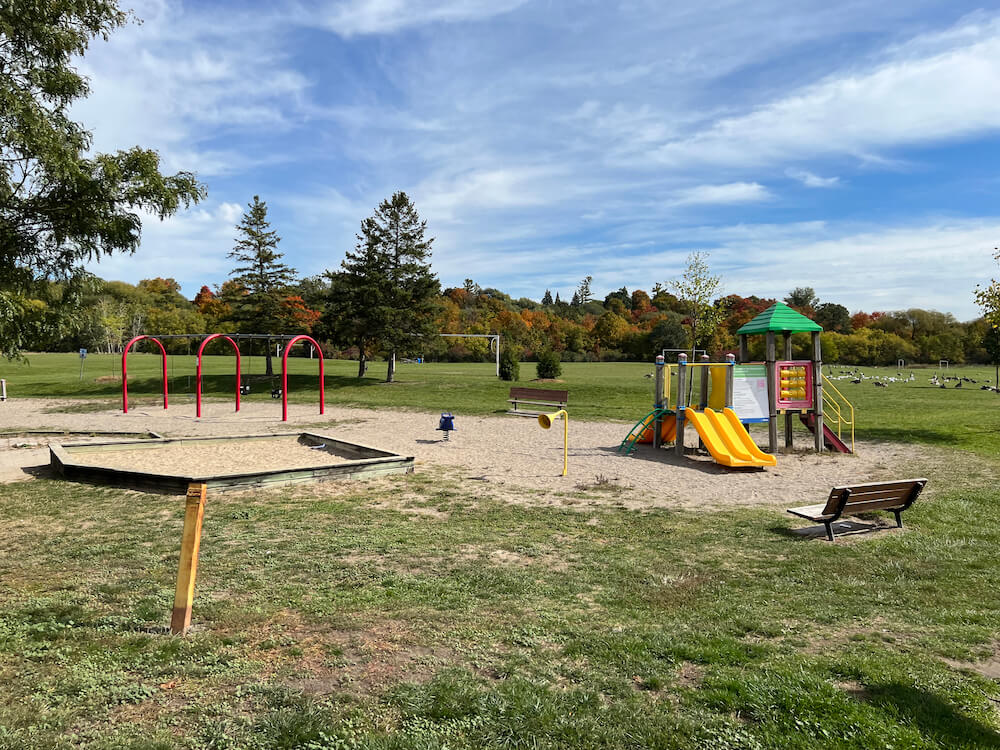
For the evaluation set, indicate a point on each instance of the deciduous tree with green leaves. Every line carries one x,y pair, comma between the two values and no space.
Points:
988,299
264,279
697,289
60,205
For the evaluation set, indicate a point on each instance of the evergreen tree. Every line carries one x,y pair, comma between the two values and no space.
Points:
386,289
547,298
558,301
575,302
264,279
583,293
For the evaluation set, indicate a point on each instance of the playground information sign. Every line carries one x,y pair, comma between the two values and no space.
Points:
750,393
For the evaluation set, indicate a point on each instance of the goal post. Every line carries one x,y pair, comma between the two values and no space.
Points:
493,337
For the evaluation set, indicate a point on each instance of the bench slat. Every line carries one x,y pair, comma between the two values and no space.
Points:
812,512
866,505
543,403
538,393
898,484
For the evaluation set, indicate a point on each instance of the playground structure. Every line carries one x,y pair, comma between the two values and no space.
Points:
719,428
733,395
797,386
232,338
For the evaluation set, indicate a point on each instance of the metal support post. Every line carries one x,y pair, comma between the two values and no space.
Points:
682,376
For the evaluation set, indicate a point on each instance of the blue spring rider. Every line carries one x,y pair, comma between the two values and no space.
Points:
447,424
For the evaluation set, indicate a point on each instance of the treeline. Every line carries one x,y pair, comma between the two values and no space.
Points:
625,325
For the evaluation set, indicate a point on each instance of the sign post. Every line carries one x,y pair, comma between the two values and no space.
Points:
83,357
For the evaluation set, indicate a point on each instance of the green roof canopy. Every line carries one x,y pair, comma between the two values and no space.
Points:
781,318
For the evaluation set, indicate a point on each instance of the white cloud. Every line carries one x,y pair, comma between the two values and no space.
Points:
350,17
733,192
809,179
918,96
191,247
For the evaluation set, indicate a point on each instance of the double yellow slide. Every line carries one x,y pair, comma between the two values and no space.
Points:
727,439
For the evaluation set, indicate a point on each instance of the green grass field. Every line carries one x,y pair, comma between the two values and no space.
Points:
423,612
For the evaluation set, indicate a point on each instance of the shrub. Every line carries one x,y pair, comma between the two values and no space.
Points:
510,366
549,366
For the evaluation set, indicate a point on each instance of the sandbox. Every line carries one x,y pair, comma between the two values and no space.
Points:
234,462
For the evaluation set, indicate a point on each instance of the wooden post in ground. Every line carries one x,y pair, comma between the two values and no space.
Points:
187,569
788,415
772,401
744,348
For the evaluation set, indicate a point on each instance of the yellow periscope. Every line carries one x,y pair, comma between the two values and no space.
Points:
727,439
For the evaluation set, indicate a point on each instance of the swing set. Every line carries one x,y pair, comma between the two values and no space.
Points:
232,338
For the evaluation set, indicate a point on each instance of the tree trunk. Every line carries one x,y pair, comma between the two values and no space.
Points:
269,367
362,362
391,369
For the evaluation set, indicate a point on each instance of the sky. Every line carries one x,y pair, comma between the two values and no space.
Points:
850,146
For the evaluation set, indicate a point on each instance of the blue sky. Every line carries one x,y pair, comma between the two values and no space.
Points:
850,146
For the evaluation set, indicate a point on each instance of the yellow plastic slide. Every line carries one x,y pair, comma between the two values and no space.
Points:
727,439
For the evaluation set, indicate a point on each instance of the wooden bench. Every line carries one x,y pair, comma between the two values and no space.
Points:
858,498
553,400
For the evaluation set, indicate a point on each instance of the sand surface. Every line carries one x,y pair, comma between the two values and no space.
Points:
204,459
517,459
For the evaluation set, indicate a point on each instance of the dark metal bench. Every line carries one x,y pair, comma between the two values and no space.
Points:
857,498
551,399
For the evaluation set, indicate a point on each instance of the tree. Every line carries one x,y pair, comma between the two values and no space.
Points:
583,293
558,301
803,299
988,299
262,275
622,295
696,290
60,205
211,307
609,330
386,291
833,317
547,298
991,341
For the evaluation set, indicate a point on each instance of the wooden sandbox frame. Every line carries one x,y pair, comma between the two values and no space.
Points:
364,462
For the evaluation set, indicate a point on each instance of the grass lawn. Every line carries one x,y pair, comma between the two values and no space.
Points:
421,611
417,613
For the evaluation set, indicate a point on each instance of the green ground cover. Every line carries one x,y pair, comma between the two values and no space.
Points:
438,618
967,418
423,612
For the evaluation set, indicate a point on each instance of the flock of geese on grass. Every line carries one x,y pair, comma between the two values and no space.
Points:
881,381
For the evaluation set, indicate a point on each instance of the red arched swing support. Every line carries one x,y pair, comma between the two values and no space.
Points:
284,374
125,352
201,349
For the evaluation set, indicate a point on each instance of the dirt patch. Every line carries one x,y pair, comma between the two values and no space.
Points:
988,668
690,675
360,662
854,689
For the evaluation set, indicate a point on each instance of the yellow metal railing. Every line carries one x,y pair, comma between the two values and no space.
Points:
835,412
